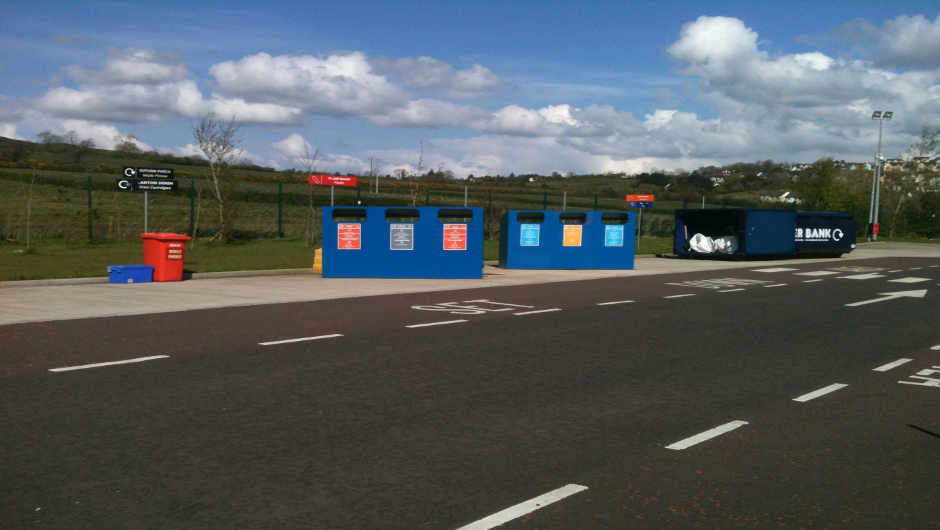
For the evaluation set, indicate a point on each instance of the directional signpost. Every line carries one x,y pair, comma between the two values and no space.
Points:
640,201
332,181
147,179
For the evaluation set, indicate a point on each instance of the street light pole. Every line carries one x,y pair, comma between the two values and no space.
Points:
877,171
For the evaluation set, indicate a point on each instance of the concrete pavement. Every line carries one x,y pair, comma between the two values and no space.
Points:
91,298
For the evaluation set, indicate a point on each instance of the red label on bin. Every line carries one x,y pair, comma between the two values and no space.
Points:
349,236
455,237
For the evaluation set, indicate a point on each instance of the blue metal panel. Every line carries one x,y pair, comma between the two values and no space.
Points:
378,256
600,247
769,232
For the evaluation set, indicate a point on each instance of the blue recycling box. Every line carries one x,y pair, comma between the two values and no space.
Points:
130,273
545,239
402,242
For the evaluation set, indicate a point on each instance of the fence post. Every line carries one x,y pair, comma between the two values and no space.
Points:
358,195
280,209
427,197
595,202
192,208
545,200
91,220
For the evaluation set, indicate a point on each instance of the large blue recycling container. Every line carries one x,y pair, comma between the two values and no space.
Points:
402,242
766,233
545,239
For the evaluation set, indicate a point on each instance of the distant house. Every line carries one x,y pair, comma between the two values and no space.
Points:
786,198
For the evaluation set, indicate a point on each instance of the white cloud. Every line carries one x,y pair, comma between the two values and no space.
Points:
429,113
338,85
430,73
144,86
8,130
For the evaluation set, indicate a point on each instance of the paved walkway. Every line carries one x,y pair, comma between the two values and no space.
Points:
93,297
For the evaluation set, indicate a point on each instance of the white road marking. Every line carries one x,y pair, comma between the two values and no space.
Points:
111,363
935,348
552,310
777,285
910,279
707,435
679,295
868,276
299,339
524,508
616,302
730,290
896,270
892,364
442,323
821,392
891,296
915,268
812,281
815,273
934,266
775,269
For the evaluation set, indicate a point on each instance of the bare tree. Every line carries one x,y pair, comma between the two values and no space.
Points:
218,141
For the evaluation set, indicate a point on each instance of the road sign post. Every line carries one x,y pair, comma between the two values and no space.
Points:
640,201
332,181
147,179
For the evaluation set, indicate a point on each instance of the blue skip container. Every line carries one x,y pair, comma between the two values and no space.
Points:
130,273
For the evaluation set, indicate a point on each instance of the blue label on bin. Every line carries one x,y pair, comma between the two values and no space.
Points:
529,234
613,235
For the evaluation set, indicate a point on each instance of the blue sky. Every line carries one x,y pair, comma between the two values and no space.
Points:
489,87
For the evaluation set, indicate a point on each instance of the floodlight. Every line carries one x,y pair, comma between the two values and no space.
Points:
876,115
887,115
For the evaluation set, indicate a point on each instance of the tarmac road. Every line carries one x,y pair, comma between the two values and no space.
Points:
716,398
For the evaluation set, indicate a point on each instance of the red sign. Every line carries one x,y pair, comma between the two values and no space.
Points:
331,180
874,229
455,237
641,198
349,236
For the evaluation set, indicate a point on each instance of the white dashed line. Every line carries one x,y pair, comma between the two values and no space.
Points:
891,365
896,270
731,290
552,310
869,276
934,266
910,279
915,268
111,363
707,435
442,323
679,295
299,339
812,281
616,302
777,285
815,273
775,269
935,348
524,508
821,392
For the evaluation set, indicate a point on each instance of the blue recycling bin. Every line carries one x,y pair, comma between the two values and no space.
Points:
765,233
545,239
130,273
402,242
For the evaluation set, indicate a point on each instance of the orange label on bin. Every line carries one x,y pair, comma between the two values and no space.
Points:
455,237
349,236
572,236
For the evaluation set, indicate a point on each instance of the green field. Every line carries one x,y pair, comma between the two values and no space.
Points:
61,259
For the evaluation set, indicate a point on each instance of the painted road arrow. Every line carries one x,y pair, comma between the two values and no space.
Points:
920,293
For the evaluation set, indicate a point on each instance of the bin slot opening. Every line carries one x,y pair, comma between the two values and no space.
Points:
455,215
402,215
572,218
530,217
712,224
349,214
612,218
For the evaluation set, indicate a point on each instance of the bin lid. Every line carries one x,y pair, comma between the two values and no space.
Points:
165,236
120,268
